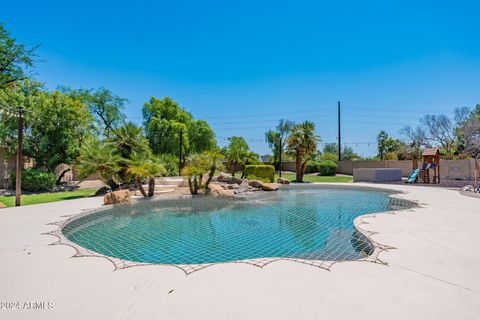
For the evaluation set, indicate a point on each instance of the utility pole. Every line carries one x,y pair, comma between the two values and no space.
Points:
18,182
339,135
180,153
280,158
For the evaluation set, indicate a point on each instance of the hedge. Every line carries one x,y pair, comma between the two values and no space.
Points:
327,168
312,166
35,180
263,171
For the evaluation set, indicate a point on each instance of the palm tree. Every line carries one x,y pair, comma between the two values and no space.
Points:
130,138
139,167
100,157
276,139
302,142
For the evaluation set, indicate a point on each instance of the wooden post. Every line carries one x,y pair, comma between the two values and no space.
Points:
339,135
18,182
280,158
180,153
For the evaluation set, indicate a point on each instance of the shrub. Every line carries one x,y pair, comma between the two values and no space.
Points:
35,180
312,166
253,177
327,168
170,162
262,171
329,156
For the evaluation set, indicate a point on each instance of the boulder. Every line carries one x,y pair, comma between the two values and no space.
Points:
468,188
244,183
224,177
116,197
269,187
217,190
102,191
232,186
256,183
283,181
2,205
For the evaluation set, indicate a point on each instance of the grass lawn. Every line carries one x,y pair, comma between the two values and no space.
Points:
308,178
9,201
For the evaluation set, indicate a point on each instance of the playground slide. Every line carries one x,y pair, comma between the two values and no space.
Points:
413,176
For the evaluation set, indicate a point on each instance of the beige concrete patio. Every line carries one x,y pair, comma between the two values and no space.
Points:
434,273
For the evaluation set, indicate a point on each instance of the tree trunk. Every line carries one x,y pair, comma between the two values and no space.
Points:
138,182
304,167
298,165
151,187
190,185
60,177
210,176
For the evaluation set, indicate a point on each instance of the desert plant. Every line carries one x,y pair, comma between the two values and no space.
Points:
302,142
100,157
199,165
140,167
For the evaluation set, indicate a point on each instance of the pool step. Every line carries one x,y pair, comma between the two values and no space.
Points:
178,181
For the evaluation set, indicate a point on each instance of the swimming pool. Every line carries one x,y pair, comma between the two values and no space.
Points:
300,223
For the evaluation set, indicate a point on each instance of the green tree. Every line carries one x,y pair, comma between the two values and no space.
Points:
15,60
302,142
332,150
387,146
235,153
163,120
55,125
105,107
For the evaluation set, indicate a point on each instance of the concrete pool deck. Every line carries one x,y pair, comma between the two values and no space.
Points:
434,273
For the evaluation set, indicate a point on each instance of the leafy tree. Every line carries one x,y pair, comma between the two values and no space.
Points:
55,125
163,120
332,150
387,146
236,153
15,60
276,139
303,143
105,107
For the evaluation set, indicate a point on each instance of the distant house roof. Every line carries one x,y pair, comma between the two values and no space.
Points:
430,151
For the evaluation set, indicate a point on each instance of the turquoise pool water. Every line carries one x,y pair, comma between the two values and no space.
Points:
305,223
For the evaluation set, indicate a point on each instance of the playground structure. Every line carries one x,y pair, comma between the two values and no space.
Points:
430,169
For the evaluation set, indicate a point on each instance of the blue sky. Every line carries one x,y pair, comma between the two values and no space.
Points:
244,65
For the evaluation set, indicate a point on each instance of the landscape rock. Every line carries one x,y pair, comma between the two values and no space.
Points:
218,190
269,187
468,188
232,186
102,191
244,183
283,181
256,183
2,205
117,197
225,177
